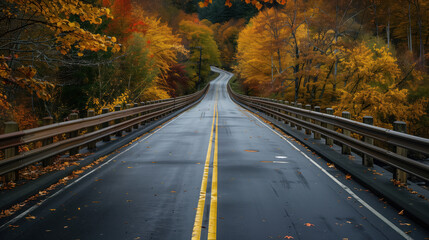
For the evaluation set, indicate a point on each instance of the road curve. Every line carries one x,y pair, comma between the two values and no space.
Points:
214,172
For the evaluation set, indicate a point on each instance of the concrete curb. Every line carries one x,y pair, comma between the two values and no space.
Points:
414,206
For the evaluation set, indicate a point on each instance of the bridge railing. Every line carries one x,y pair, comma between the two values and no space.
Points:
58,138
350,134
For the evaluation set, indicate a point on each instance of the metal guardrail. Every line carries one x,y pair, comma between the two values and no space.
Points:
317,122
113,122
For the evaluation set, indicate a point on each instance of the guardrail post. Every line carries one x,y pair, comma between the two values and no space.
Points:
400,175
142,113
105,125
47,121
137,115
128,106
118,108
316,134
286,103
344,148
91,145
10,152
329,141
368,161
292,125
299,127
275,116
149,120
282,112
174,104
73,151
307,131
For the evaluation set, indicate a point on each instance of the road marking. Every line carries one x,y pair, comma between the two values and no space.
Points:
281,157
347,189
34,207
196,232
213,202
279,162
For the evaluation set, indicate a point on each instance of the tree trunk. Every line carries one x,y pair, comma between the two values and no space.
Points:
297,82
420,24
388,28
375,19
410,33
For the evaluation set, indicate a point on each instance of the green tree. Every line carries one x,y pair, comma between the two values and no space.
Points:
199,35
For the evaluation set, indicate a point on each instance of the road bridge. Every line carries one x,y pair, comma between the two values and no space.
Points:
216,171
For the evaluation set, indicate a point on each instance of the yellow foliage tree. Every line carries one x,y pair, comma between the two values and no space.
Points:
163,47
52,18
371,77
268,51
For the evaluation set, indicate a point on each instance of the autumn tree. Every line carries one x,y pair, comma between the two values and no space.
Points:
195,35
39,36
218,12
226,36
270,48
333,55
150,50
372,77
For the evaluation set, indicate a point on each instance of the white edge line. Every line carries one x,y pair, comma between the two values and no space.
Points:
347,189
35,206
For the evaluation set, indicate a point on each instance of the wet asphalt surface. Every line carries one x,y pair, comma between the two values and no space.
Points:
266,188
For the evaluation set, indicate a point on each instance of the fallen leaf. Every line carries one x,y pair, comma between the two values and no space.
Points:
42,193
29,217
348,176
405,224
130,167
309,225
250,150
52,209
173,191
288,237
331,165
401,212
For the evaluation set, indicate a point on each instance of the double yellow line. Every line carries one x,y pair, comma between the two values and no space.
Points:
196,232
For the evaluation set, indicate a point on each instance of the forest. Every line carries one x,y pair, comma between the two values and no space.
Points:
368,57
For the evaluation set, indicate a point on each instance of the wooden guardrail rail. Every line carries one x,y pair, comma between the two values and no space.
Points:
95,128
325,124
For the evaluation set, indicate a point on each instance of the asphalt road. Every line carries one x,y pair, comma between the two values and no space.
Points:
214,172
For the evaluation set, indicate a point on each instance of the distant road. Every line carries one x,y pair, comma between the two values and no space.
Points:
214,172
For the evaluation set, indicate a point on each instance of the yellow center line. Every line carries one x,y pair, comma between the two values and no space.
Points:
213,202
196,232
